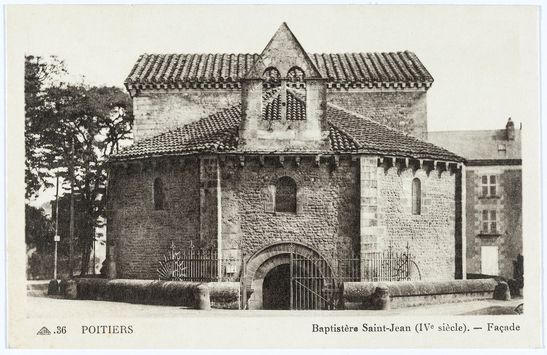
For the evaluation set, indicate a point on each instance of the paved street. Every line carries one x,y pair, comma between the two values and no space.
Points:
44,307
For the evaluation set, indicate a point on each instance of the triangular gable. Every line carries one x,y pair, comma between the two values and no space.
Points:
283,52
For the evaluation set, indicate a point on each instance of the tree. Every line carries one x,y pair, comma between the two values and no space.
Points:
39,74
39,229
72,129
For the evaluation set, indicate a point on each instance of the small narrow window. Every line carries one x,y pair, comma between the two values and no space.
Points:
158,194
416,196
285,196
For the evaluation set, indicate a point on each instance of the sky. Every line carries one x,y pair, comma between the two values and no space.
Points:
483,58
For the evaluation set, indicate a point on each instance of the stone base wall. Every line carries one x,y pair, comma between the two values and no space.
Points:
360,295
141,235
430,235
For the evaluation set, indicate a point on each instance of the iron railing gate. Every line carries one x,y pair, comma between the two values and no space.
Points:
312,284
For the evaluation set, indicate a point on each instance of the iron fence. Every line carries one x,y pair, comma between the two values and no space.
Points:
198,265
205,266
390,265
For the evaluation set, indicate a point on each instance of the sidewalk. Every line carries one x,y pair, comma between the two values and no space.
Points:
46,307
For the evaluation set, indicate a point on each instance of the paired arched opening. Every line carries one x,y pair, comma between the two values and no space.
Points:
286,95
295,77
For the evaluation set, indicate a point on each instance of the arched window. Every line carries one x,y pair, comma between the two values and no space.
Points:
416,196
285,196
272,78
296,75
158,194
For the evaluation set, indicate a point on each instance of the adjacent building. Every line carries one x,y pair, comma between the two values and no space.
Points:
493,182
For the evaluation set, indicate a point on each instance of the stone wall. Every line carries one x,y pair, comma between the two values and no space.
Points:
403,110
159,111
431,234
508,206
327,217
141,235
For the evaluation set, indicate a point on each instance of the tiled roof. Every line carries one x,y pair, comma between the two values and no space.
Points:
348,133
400,68
375,138
296,108
216,133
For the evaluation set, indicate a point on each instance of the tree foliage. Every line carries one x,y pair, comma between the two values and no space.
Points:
71,129
39,229
40,73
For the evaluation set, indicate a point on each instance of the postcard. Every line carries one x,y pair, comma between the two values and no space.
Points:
273,176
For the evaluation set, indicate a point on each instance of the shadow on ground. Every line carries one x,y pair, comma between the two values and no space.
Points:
497,310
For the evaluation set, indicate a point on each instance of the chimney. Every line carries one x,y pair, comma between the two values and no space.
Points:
510,128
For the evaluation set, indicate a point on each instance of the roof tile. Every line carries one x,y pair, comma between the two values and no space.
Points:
345,68
348,132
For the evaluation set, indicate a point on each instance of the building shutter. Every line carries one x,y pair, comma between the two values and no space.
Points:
489,260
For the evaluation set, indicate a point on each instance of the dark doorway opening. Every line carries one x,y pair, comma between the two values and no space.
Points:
276,288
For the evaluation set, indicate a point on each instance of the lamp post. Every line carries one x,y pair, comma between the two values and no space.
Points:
71,229
56,238
53,288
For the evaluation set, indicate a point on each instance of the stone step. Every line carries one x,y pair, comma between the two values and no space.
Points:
38,285
37,288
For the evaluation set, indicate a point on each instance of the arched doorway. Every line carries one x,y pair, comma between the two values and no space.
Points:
276,288
290,276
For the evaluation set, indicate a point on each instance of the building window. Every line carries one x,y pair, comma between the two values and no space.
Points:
489,186
489,224
158,194
416,196
285,196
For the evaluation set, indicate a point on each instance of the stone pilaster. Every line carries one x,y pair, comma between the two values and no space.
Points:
210,211
370,232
